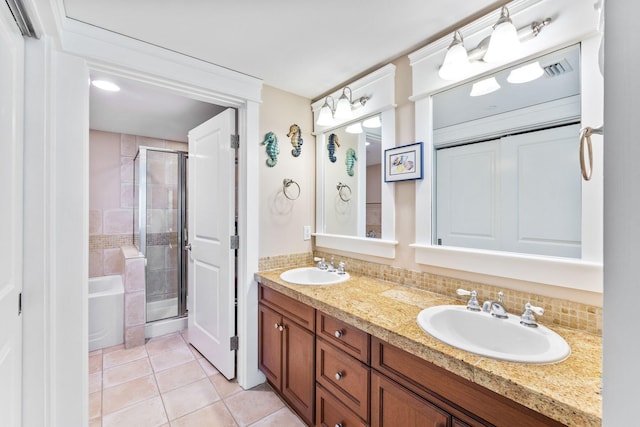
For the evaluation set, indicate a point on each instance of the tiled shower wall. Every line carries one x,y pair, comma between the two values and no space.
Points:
111,196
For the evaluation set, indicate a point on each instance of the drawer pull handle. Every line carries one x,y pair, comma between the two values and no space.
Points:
339,376
339,425
276,326
279,327
338,333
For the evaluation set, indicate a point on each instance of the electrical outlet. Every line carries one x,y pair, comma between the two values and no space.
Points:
306,232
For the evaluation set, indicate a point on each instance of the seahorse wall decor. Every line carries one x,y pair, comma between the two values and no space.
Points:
296,139
350,161
331,146
271,141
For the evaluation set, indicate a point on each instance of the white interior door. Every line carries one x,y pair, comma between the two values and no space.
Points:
11,113
211,294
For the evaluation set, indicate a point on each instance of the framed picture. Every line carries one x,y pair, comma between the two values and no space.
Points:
403,163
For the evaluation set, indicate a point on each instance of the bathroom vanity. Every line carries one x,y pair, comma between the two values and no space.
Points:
352,354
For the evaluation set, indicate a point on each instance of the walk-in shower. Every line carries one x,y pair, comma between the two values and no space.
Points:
160,228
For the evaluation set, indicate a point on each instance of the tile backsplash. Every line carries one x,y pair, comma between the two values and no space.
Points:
558,311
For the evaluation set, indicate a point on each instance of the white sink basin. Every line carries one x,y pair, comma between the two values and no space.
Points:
503,339
313,276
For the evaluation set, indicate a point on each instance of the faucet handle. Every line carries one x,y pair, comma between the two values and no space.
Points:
341,265
527,318
473,303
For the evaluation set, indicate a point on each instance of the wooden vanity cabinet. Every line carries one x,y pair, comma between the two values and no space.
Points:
286,349
468,403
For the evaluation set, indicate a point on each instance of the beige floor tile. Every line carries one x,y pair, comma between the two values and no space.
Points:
189,398
282,417
224,387
112,348
95,363
209,369
216,415
123,395
252,405
122,356
195,352
148,413
95,382
95,352
164,343
127,372
171,358
179,375
95,405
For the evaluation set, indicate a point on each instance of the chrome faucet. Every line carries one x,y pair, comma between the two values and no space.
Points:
331,266
495,308
341,267
527,318
472,304
322,265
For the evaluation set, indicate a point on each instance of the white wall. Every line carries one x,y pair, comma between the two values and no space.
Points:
621,343
341,217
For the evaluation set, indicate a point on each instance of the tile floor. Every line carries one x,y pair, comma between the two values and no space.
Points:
168,383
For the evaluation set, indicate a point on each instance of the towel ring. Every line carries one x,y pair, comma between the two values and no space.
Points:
285,186
345,195
585,135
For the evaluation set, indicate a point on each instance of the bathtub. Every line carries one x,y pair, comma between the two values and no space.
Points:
106,311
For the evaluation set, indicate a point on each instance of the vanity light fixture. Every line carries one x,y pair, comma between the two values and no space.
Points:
339,111
106,85
456,65
484,87
526,73
354,128
502,45
325,117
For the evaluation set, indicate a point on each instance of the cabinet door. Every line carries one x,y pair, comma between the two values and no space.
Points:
270,344
393,405
298,379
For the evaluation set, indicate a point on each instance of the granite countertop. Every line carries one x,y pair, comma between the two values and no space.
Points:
568,392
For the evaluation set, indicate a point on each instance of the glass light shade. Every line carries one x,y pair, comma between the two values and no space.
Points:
343,108
504,43
484,87
372,123
456,64
325,118
106,85
354,128
526,73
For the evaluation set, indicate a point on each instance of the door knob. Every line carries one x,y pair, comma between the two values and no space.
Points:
187,247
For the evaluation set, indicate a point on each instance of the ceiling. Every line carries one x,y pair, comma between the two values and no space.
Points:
302,47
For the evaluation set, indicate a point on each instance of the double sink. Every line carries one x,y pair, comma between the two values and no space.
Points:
476,332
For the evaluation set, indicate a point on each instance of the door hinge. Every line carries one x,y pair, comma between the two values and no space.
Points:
233,343
234,242
235,141
20,303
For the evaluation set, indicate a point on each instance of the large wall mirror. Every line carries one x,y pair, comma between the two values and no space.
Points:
505,196
354,207
352,170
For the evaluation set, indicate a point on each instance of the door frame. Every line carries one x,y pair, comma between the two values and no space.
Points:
70,50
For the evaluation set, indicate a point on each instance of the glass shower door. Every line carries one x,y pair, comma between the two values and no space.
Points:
162,194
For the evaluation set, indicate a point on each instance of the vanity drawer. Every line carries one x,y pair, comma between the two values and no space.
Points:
330,412
346,337
296,311
346,378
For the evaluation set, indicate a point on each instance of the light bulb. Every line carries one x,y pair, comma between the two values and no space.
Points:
325,118
504,43
354,128
456,64
343,108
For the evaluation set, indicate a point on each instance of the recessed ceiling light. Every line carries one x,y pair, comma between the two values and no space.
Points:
106,85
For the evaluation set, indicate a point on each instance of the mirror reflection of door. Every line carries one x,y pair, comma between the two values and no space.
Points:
353,179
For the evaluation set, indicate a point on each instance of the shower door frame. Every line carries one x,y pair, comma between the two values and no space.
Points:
182,219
